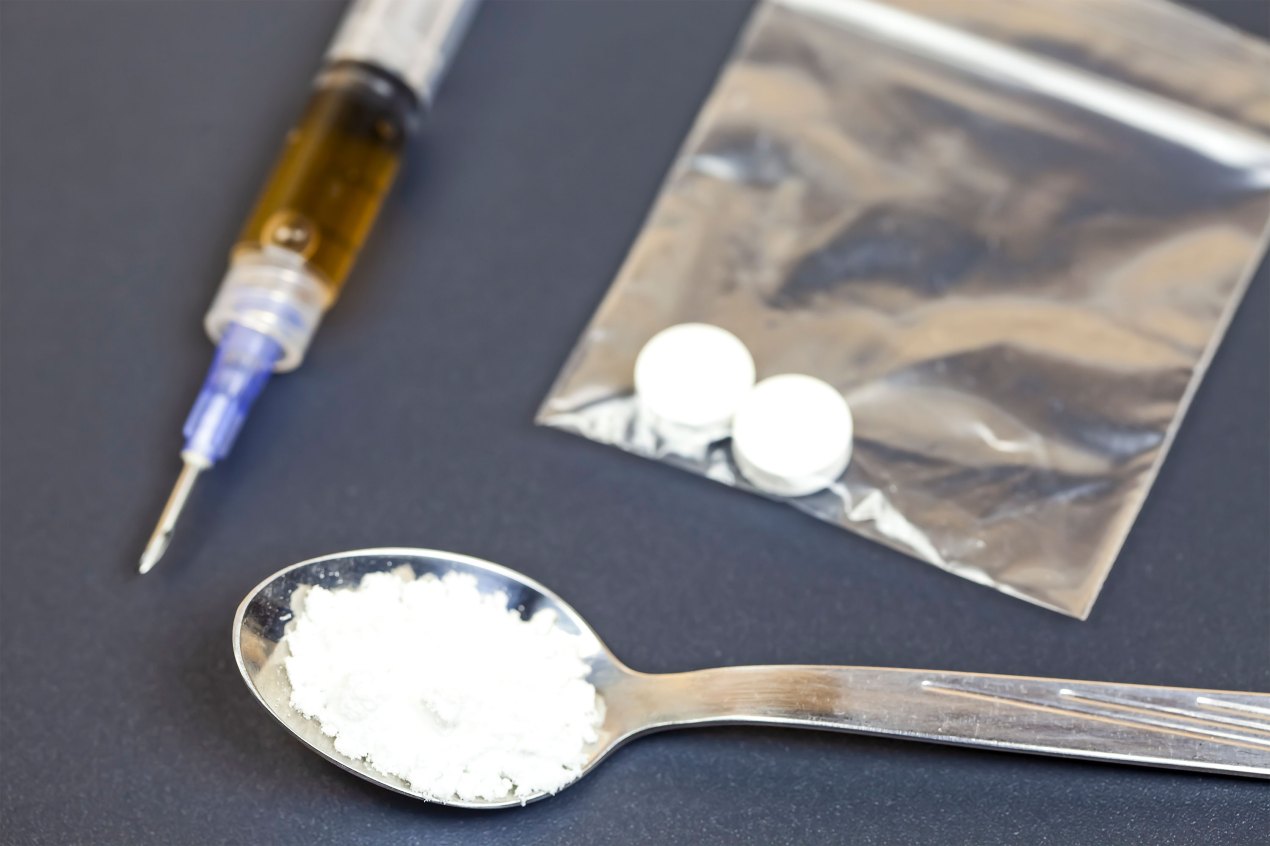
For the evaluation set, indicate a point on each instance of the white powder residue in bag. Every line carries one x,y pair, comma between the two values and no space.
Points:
443,686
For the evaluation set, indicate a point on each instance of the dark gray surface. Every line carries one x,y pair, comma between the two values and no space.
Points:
133,137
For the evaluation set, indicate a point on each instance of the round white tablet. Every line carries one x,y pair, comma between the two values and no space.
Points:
792,435
693,375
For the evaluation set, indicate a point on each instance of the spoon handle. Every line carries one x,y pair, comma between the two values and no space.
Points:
1208,730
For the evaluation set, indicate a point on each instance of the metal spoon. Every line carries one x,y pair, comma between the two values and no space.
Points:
1207,730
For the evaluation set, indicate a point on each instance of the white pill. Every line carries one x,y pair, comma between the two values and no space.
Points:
792,434
693,375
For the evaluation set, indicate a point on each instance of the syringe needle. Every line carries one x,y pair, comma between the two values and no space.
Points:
171,513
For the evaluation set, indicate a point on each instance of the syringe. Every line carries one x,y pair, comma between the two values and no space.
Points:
379,75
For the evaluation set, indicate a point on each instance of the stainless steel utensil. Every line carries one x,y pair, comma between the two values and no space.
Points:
1207,730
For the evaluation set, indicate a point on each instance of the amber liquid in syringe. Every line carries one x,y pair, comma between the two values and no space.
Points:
334,172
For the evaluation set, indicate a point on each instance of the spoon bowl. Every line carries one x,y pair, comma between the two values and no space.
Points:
261,623
1207,730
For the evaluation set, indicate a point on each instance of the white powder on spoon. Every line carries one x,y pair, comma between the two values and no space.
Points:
443,686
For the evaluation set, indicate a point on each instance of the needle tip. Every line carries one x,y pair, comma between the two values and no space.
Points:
154,551
167,520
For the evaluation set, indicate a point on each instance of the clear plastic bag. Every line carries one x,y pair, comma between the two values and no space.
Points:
1011,232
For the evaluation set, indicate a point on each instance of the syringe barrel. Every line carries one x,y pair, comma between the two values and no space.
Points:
337,166
412,39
